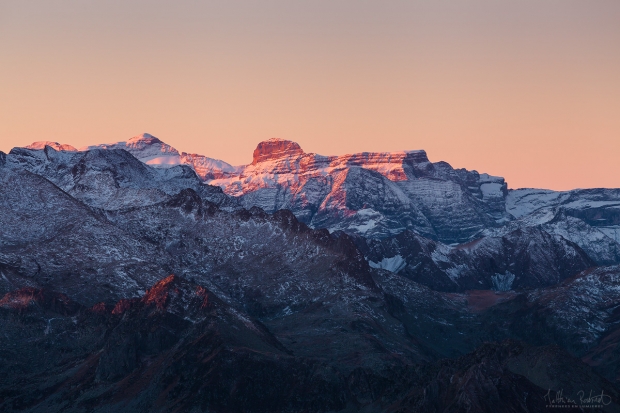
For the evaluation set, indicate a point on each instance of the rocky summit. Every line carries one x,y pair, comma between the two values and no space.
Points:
138,278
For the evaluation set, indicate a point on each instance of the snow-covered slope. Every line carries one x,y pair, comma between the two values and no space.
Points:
48,237
112,178
523,258
156,153
587,217
55,145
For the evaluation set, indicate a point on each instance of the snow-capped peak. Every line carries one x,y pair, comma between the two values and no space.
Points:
154,152
146,148
141,146
57,146
144,140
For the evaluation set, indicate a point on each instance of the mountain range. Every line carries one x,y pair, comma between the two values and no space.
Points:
140,278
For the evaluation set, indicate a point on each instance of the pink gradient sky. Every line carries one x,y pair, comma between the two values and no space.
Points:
529,90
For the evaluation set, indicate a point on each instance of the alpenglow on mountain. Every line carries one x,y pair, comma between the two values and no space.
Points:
379,194
376,198
137,278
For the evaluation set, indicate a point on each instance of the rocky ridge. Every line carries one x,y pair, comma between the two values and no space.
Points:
378,195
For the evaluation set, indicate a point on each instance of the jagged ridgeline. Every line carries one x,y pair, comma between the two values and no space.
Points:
301,282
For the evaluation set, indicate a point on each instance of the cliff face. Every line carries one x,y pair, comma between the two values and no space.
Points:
274,149
370,194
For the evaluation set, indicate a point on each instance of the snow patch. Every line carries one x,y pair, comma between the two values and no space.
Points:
369,219
611,232
454,273
503,282
162,161
491,190
393,264
521,202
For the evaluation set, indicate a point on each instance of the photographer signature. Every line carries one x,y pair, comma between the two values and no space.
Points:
558,398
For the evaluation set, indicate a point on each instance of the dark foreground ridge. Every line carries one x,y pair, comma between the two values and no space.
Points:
180,348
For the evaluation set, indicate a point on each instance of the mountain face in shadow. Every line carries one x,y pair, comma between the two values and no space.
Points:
134,277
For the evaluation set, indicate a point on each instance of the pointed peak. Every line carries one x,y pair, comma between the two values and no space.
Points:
55,145
145,138
146,143
145,147
275,148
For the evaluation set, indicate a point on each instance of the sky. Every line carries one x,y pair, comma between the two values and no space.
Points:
528,89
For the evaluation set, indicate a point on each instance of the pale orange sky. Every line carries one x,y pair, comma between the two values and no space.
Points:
529,91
